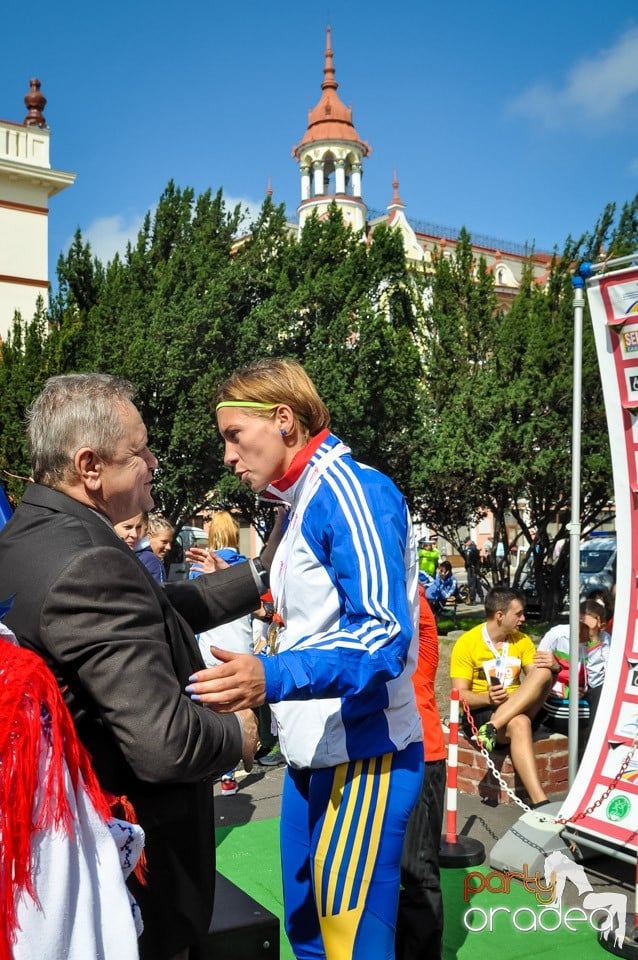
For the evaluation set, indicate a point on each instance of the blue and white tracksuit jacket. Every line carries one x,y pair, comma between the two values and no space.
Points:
344,580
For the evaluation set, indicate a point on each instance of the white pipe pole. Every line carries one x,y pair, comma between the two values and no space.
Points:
588,269
578,284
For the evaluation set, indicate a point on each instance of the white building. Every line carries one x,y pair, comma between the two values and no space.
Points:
27,181
331,157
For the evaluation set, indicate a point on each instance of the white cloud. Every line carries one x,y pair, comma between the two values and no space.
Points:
250,209
599,89
110,235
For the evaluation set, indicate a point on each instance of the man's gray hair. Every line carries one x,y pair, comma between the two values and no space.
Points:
74,411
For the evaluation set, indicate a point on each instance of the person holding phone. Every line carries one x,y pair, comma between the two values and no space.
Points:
504,681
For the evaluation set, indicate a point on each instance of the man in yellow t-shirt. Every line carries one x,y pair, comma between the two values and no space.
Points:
505,681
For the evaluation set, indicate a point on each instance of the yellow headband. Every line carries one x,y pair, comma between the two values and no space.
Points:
246,403
255,403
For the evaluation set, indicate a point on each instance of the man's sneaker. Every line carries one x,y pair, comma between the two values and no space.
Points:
487,736
273,758
228,786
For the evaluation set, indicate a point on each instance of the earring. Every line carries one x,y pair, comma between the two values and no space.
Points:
284,433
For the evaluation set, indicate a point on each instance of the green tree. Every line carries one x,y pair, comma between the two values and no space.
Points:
80,283
462,317
22,373
535,352
500,390
348,312
466,408
157,323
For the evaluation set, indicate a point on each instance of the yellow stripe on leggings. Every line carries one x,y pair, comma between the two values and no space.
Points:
328,831
339,931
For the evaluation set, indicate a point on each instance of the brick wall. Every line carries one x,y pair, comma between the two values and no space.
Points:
474,776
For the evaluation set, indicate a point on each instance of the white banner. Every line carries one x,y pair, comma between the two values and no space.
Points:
613,301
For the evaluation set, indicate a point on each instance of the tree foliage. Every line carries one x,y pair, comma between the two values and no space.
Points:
465,405
499,390
23,370
189,303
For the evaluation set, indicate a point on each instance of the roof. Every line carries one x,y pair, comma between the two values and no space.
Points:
330,119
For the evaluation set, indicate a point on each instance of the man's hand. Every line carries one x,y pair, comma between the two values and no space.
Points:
546,659
237,683
497,694
205,561
250,737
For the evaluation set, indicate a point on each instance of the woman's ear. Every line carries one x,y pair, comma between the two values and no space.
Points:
285,420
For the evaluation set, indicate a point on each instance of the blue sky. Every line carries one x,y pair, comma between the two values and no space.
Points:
518,121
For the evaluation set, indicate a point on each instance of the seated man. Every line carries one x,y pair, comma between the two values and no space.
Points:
486,667
442,587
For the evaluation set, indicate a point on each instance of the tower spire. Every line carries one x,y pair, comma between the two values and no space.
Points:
330,119
330,154
329,82
396,199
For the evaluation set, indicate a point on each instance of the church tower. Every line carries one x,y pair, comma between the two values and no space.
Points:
330,155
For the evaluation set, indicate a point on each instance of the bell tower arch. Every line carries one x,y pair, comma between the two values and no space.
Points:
330,155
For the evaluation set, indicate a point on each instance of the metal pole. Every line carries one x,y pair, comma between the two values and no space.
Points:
578,283
451,834
455,850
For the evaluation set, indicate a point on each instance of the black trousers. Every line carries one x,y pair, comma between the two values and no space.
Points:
419,933
474,585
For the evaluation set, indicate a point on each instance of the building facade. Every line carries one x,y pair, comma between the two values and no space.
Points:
27,182
331,157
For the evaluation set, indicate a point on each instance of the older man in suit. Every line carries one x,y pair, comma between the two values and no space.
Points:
121,647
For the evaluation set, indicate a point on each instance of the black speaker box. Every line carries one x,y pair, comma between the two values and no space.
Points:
241,929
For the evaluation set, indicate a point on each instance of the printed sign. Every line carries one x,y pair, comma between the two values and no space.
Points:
608,774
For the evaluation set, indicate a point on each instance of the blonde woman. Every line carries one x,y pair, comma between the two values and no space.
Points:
237,636
160,535
153,559
337,667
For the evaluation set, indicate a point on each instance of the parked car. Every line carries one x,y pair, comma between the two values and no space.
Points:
187,537
597,571
527,585
597,564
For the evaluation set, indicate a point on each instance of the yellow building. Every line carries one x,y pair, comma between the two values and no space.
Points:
27,181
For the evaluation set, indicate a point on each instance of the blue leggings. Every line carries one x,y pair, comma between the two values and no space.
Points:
342,831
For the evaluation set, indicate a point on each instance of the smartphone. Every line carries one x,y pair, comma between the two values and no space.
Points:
495,682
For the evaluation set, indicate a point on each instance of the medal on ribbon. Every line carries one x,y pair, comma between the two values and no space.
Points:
272,637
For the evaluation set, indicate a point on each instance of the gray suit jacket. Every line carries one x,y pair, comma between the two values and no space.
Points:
122,649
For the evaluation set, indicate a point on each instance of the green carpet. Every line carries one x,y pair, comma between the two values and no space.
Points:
249,856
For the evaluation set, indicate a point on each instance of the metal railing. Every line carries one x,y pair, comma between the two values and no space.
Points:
439,231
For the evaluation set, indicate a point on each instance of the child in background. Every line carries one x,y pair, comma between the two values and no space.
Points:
160,535
593,645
